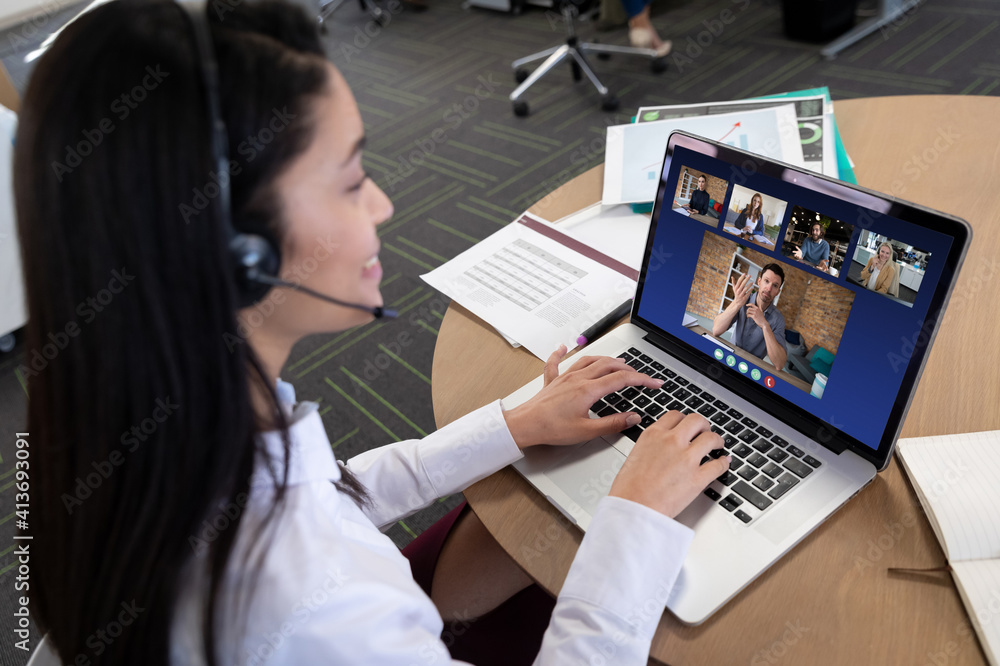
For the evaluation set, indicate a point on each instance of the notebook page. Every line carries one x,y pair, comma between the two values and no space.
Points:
979,584
958,477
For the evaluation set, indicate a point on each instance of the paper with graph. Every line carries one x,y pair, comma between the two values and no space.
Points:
814,113
634,153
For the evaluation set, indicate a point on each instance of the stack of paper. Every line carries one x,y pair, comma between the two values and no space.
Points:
798,128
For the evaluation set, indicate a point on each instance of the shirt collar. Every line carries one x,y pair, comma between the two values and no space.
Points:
311,457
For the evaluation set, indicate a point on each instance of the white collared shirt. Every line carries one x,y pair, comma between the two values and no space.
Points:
334,590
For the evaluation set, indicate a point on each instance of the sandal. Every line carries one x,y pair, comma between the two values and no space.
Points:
642,38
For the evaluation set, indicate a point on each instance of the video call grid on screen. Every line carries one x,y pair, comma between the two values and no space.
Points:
877,340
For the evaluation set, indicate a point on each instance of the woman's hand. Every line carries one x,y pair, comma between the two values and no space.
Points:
664,470
559,413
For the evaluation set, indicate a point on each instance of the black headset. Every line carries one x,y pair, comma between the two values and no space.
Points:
254,259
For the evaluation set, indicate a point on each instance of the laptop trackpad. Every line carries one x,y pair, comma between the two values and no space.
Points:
587,472
806,506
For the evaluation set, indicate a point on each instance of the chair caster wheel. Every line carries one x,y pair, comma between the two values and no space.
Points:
381,19
604,56
659,65
520,74
322,29
520,109
609,102
577,72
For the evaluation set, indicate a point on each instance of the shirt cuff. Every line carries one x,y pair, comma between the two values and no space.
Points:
628,562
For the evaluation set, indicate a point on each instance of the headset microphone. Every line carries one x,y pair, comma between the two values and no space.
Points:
379,311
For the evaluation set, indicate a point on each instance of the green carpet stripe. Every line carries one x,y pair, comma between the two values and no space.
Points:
8,568
8,485
550,111
975,13
451,230
343,335
14,359
404,364
512,139
421,248
396,91
479,213
407,529
426,326
361,409
367,111
463,167
776,83
889,76
364,335
506,212
885,80
389,281
384,402
914,43
931,41
414,127
705,71
7,550
345,438
24,385
765,82
418,46
989,88
395,224
969,42
392,97
424,204
573,120
6,518
537,165
451,173
483,153
857,52
407,255
412,188
483,93
739,74
378,157
5,475
442,68
437,314
469,74
555,143
325,410
366,69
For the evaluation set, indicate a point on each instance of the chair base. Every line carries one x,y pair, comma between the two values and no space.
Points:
327,7
575,52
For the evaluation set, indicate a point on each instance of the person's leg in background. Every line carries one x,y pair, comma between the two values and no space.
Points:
641,32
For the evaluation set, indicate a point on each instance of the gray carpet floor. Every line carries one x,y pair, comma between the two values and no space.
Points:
458,165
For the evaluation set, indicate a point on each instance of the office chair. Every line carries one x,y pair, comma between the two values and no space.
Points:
575,51
327,7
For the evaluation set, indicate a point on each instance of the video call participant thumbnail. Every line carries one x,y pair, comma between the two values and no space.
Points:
700,198
814,249
878,273
760,327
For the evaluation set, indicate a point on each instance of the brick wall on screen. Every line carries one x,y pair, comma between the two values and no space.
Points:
716,187
823,314
710,276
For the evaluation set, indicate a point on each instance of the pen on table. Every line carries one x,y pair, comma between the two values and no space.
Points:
602,326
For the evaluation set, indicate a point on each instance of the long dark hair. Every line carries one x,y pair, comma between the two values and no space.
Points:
141,416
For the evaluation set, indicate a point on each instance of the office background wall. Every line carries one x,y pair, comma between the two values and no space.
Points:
458,165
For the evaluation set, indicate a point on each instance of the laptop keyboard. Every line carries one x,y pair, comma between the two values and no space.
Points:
764,466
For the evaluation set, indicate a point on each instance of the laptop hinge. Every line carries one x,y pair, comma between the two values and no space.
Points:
816,430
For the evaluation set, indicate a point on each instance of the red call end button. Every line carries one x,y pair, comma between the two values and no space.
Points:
769,381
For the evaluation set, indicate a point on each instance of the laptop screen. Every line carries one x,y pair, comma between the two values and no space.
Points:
805,295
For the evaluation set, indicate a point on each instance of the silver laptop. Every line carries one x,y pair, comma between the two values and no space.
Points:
852,284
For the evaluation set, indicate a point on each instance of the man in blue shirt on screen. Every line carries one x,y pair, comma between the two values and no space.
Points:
815,250
760,327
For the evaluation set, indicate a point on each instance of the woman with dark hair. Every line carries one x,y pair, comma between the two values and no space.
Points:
178,489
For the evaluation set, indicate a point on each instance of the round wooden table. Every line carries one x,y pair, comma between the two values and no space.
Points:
830,600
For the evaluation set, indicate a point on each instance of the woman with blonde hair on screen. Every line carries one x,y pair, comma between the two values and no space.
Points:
878,275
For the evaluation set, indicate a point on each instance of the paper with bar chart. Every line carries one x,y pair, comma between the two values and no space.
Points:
634,153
